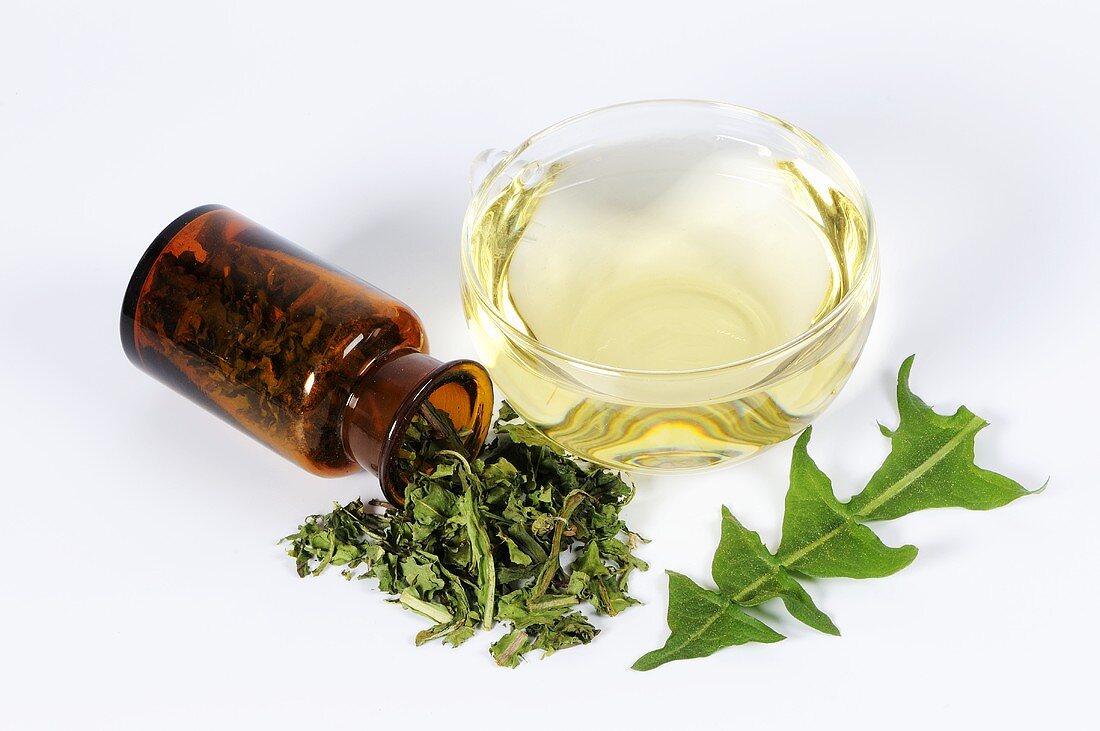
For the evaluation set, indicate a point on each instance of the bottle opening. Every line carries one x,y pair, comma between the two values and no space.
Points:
453,400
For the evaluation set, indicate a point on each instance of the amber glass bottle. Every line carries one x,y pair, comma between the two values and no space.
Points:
308,359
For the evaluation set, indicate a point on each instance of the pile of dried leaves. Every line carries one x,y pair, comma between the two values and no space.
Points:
482,540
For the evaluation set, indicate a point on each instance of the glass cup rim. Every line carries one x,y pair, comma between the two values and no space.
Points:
866,273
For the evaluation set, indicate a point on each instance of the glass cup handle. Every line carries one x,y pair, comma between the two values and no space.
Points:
483,164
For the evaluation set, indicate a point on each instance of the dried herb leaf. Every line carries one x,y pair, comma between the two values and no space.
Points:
484,540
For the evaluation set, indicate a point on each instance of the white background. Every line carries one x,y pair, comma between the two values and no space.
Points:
141,585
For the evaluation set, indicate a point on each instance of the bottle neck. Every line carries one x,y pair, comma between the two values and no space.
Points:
394,390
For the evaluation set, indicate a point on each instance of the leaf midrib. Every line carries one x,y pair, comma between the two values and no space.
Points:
788,561
892,491
723,605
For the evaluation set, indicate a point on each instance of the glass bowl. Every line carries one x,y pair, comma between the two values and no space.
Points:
669,286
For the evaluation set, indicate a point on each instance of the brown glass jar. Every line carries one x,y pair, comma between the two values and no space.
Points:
308,359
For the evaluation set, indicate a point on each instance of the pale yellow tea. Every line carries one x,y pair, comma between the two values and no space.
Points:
615,291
